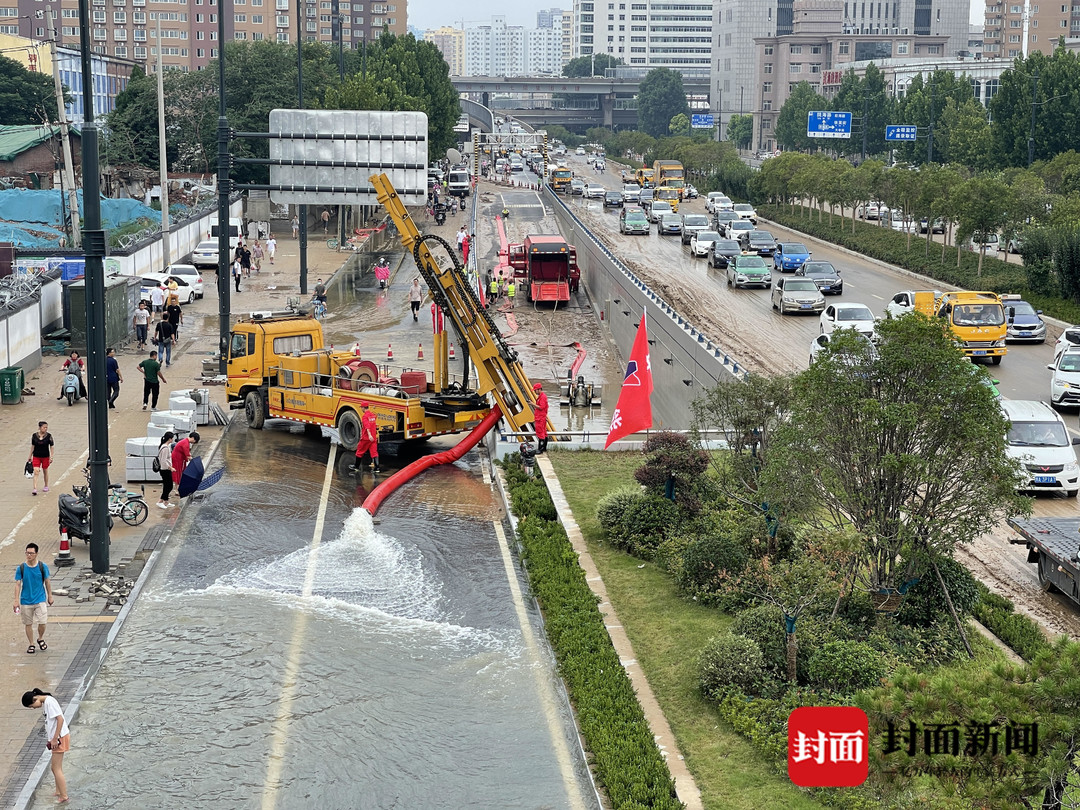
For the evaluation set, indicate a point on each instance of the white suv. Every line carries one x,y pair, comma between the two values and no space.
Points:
1065,381
1038,437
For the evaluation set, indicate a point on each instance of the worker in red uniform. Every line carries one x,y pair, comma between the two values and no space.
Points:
540,413
369,439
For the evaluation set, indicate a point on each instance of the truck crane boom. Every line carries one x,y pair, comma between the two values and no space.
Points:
499,372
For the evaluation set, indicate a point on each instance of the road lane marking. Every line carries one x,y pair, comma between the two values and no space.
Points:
878,297
539,666
279,733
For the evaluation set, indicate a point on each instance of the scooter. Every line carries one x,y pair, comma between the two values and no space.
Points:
382,273
461,203
440,214
72,387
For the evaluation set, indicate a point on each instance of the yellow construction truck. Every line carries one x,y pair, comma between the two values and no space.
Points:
669,174
978,321
644,177
560,178
280,366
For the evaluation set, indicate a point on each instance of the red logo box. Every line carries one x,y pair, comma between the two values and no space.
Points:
827,746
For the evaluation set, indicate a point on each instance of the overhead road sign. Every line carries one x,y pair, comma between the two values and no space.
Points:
325,157
702,121
828,124
900,132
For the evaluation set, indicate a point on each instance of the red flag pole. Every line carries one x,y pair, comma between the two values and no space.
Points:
633,411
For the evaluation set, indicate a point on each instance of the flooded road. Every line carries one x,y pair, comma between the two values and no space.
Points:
268,664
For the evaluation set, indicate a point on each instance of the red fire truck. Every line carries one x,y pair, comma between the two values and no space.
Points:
546,266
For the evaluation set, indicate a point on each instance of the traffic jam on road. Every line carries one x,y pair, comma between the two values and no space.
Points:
754,272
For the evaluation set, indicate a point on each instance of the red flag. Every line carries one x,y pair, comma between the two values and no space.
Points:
633,412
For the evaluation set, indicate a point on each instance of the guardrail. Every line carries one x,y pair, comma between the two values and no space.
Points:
685,361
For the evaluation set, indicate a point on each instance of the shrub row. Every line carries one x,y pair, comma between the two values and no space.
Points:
626,761
999,616
887,245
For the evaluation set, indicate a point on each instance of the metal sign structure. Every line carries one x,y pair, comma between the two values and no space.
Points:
828,124
900,132
493,145
702,121
325,157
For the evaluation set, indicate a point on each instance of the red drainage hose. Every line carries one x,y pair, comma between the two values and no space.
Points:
382,491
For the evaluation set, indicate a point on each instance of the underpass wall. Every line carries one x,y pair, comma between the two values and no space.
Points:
685,362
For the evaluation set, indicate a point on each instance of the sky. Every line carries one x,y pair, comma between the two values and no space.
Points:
435,13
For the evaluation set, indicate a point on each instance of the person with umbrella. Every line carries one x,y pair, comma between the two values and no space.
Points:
181,455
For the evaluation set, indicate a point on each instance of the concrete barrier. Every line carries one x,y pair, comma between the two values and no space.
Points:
685,362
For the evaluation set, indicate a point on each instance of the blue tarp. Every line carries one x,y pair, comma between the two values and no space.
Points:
34,218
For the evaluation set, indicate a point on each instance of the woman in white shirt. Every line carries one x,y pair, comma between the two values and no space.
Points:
57,735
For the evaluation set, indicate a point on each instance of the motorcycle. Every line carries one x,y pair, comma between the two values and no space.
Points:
461,203
440,214
71,390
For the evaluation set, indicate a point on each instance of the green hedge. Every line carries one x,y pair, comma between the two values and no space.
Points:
625,758
1000,617
887,245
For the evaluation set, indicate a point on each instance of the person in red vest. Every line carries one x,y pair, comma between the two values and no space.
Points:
540,413
369,439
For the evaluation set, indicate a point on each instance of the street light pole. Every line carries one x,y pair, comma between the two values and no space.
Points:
301,209
224,187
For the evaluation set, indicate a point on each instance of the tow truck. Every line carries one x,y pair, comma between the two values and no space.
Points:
1054,546
280,366
547,265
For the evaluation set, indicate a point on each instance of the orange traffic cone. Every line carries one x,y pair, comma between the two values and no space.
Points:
420,352
389,351
452,355
64,558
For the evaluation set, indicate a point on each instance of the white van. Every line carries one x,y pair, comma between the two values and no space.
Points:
1038,438
458,183
235,232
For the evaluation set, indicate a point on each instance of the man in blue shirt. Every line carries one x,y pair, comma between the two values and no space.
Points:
33,594
113,376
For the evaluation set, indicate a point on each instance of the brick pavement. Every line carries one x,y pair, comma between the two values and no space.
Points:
77,633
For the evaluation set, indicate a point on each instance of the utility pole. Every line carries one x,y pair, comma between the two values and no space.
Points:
1031,131
224,275
930,132
336,11
94,250
302,209
65,134
865,122
163,168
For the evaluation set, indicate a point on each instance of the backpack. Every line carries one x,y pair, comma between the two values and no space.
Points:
40,568
156,466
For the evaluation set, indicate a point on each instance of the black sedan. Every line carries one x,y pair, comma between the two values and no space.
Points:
824,275
758,242
613,198
723,251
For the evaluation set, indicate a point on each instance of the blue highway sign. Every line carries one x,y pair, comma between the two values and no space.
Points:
826,124
900,132
702,121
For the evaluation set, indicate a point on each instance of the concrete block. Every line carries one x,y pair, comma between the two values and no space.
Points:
142,446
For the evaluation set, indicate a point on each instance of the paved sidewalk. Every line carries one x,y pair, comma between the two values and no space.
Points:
78,632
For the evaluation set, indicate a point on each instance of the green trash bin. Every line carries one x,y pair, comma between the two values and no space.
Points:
11,385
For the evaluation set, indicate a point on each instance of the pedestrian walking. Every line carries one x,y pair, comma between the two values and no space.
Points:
540,415
369,439
157,298
237,273
465,250
271,248
181,455
460,238
164,459
245,261
33,596
238,251
176,316
57,735
510,292
257,256
112,375
295,227
325,220
416,295
41,445
152,379
493,288
163,339
141,322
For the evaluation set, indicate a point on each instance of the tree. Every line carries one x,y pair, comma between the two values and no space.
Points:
680,125
585,65
1057,109
864,96
25,97
984,206
660,98
936,97
741,131
791,121
902,445
133,124
966,137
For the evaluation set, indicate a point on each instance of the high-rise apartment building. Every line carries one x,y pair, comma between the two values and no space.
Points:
499,49
567,25
649,34
1019,27
738,23
128,28
451,44
548,17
